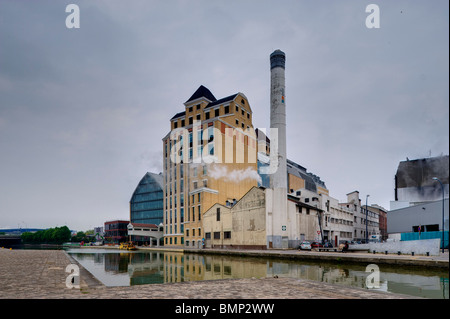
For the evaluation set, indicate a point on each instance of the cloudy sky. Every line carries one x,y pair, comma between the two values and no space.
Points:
83,111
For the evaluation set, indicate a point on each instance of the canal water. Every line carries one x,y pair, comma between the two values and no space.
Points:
123,268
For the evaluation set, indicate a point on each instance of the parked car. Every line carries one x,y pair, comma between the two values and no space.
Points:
306,245
316,244
328,245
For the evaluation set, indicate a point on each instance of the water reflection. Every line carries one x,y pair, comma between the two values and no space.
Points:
116,268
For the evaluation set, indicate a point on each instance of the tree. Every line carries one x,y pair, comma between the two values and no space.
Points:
57,235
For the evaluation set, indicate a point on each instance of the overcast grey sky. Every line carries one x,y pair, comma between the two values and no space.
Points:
83,111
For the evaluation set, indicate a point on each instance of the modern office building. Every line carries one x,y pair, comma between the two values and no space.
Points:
209,157
116,231
146,203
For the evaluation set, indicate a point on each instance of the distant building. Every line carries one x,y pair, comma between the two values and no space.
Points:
414,184
146,203
416,212
361,218
116,231
99,233
336,221
382,219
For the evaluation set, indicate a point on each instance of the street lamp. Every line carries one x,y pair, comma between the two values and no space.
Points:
367,222
442,187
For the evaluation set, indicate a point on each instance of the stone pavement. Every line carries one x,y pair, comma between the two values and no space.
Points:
40,274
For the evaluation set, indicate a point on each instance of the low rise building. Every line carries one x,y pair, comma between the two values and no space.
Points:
116,231
245,225
365,224
145,234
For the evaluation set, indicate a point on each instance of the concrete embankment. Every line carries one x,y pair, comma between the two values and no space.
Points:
441,261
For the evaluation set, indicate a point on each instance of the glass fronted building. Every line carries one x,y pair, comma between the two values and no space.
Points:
146,204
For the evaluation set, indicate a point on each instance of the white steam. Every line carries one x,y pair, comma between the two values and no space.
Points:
236,175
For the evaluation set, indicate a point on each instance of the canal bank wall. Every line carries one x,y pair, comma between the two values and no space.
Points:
439,261
339,257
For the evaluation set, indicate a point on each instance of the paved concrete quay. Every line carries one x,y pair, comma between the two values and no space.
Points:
40,274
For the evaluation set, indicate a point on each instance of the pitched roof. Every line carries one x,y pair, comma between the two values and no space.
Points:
180,114
202,92
223,100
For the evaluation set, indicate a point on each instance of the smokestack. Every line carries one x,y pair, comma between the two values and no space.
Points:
278,115
278,180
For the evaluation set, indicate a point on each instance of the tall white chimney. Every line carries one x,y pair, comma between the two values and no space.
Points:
278,235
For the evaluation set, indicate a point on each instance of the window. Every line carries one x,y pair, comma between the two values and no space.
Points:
198,106
216,235
218,214
226,235
187,232
193,232
242,112
237,122
175,124
190,120
227,109
199,213
183,123
216,112
198,117
207,115
190,109
207,235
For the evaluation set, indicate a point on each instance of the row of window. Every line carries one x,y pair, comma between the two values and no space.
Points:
155,195
226,110
156,215
150,205
194,213
219,235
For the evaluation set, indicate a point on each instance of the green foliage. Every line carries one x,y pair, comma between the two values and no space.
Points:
83,236
57,235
